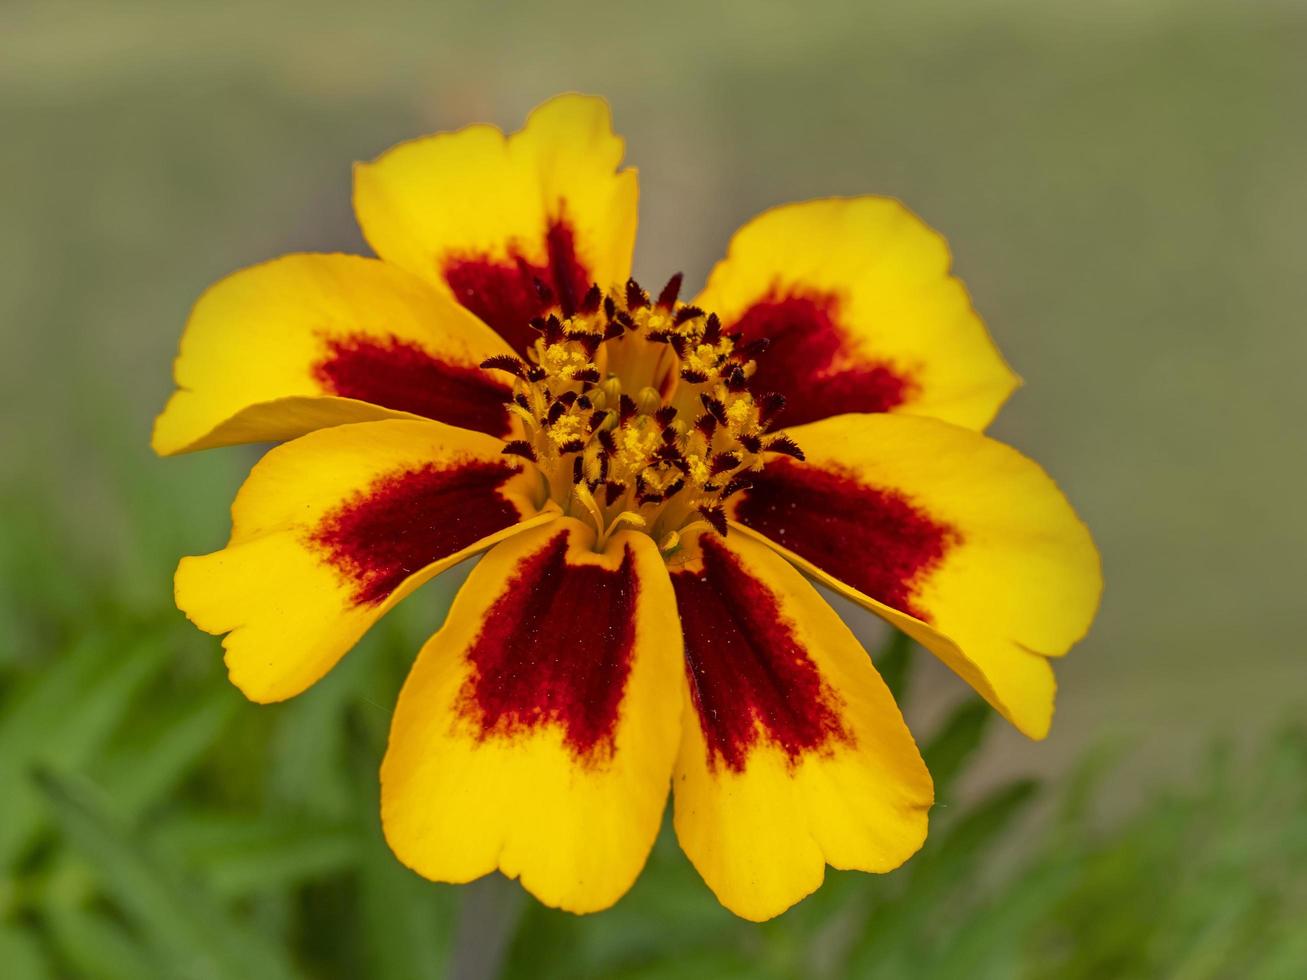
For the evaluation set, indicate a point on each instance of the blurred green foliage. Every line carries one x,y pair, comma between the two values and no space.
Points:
157,825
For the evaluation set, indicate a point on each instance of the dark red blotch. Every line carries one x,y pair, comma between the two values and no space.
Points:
407,520
504,293
401,375
555,649
805,341
872,539
745,667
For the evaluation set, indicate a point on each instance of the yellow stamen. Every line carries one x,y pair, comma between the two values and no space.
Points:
659,440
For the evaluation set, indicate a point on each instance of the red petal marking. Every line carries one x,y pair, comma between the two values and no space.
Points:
872,539
555,649
405,521
401,375
805,360
503,292
749,676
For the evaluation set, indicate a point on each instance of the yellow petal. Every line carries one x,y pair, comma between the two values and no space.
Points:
856,299
957,539
483,216
793,753
537,730
331,530
309,341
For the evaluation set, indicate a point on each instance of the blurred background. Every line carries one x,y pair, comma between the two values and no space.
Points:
1124,185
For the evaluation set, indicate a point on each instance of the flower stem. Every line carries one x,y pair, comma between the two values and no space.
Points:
488,914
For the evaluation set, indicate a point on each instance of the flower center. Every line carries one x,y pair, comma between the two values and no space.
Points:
639,414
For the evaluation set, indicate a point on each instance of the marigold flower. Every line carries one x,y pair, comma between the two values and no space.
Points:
650,480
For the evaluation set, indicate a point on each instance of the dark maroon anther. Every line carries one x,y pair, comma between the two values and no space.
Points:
770,405
636,298
519,447
715,408
786,447
724,461
735,485
667,298
715,516
507,363
712,329
553,329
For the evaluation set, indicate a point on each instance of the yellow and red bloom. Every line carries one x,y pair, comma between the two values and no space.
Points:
650,480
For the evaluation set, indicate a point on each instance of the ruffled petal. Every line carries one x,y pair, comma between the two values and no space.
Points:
309,341
957,539
793,754
537,730
331,530
485,217
855,296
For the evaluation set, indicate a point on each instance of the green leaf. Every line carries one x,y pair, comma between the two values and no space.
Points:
669,898
960,849
62,718
899,931
406,922
307,768
143,771
186,930
716,964
21,956
992,941
894,662
238,855
95,946
956,741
